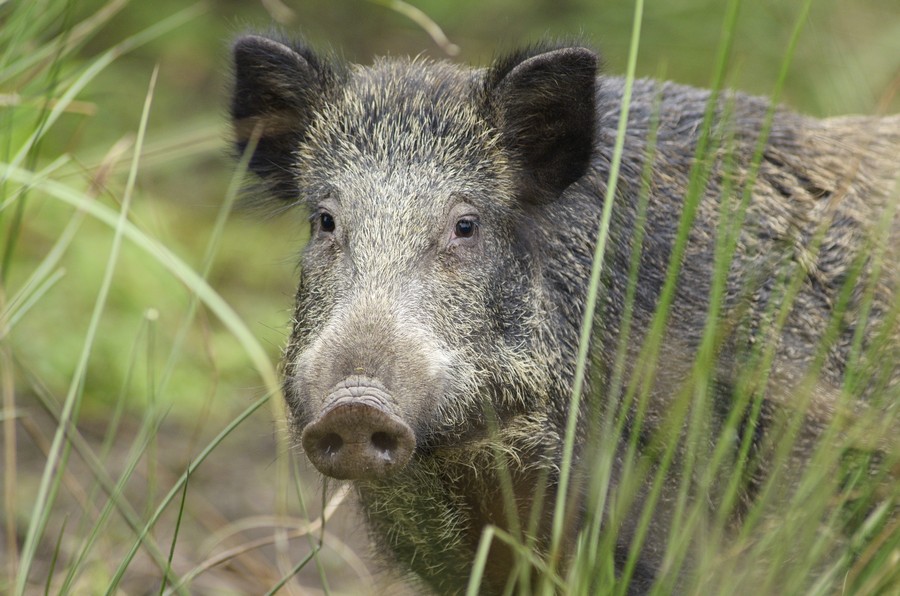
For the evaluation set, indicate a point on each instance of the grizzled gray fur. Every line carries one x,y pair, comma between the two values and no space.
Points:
454,213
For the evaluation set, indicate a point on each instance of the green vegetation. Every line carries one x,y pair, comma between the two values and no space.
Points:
141,320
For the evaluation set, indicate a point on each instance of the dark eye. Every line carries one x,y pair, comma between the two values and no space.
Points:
326,222
465,228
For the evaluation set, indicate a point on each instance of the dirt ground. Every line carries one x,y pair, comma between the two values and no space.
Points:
233,533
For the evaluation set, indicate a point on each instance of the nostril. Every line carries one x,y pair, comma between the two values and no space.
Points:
384,443
358,441
330,444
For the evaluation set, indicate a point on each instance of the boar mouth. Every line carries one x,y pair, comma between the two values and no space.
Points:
358,435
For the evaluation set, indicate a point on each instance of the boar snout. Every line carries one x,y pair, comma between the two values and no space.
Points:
358,435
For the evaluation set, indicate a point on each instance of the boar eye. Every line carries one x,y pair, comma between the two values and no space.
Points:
326,222
465,228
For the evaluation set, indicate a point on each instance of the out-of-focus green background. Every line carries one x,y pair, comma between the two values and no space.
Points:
847,61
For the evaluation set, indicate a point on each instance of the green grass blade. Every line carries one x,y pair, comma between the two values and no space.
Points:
587,325
58,452
98,66
55,557
113,490
480,561
165,257
162,585
177,487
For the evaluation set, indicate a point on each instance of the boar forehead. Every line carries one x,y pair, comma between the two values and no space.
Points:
410,130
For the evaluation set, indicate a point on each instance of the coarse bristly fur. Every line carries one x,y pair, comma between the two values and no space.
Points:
470,330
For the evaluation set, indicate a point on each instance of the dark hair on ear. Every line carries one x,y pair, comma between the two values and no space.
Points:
542,98
504,63
278,85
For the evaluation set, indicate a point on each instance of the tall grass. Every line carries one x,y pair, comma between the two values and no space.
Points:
797,540
124,501
82,528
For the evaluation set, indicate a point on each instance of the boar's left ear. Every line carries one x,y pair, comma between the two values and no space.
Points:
545,106
277,89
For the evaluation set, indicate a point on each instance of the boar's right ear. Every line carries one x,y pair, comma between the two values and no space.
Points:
277,88
544,101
